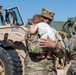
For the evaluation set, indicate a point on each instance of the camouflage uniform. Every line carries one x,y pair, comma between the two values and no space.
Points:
72,46
35,66
39,66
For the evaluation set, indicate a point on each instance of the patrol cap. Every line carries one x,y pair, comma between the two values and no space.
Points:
47,13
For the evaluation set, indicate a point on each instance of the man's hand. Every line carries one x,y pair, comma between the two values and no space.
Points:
48,43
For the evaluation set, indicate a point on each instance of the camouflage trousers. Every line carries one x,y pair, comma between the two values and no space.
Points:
35,66
73,67
72,48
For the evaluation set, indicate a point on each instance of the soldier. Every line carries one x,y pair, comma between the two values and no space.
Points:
7,16
44,66
60,45
1,14
72,47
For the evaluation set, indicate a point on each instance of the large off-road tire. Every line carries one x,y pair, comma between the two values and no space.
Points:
10,63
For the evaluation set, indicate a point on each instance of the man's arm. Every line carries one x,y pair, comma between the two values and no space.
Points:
33,29
47,43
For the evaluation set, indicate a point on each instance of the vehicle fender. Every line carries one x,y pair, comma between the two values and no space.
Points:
6,43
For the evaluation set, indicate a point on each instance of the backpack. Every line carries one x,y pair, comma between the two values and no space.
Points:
32,43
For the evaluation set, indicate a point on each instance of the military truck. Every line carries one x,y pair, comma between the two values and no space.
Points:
12,42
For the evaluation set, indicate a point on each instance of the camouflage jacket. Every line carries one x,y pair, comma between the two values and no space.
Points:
72,46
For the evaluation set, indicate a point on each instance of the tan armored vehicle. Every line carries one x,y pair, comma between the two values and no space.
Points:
12,42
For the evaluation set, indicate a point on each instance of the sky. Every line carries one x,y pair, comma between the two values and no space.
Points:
63,8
